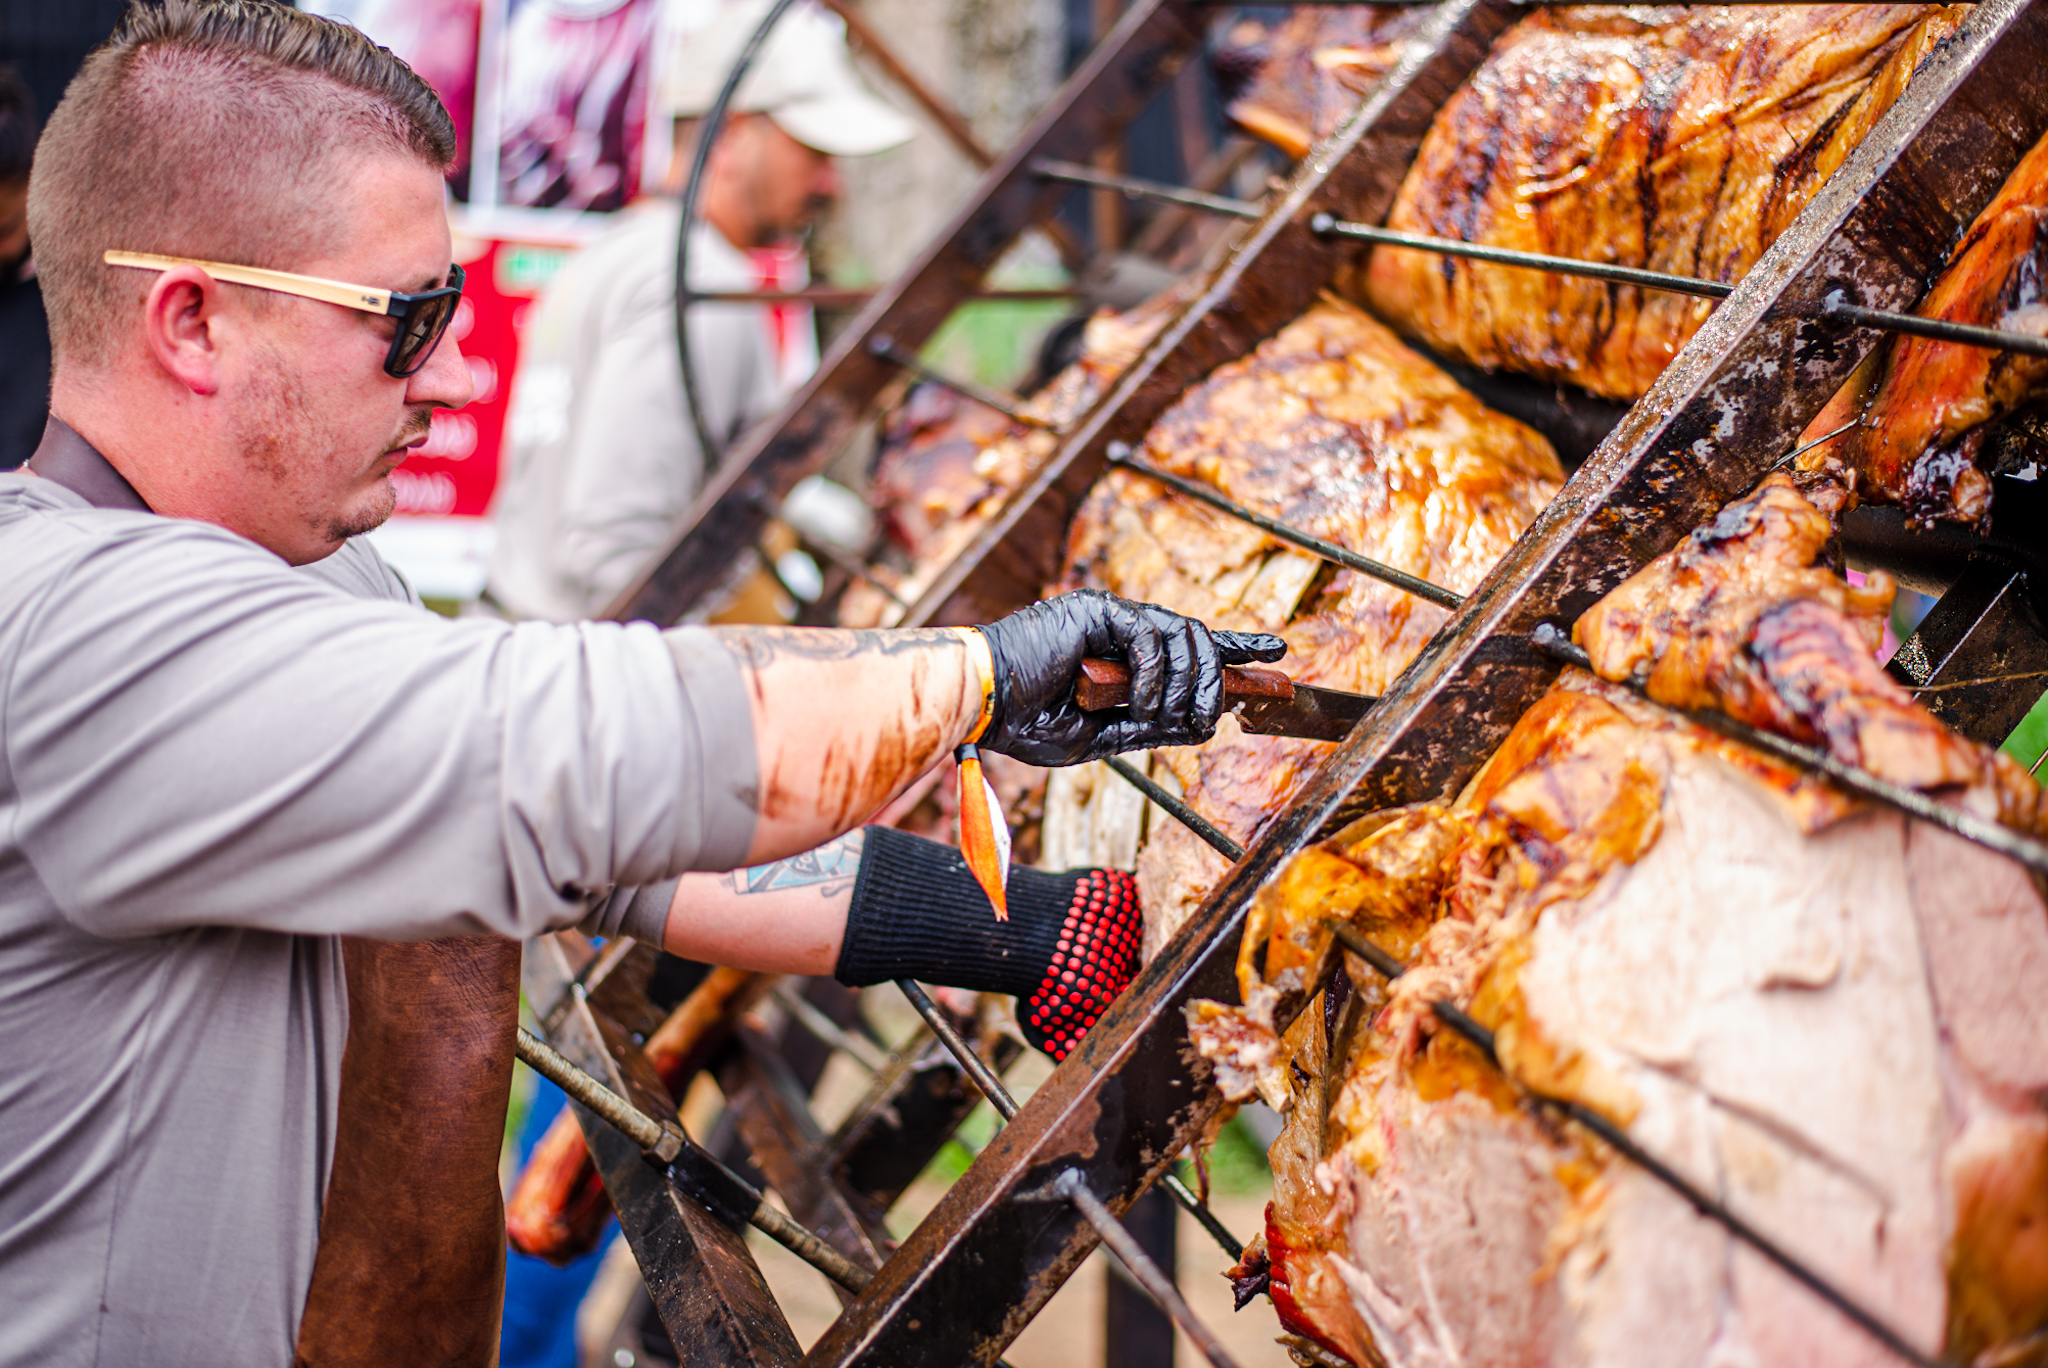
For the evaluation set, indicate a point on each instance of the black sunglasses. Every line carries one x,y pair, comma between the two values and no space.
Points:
423,316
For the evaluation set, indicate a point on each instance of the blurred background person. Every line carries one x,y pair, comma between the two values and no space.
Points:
24,335
602,459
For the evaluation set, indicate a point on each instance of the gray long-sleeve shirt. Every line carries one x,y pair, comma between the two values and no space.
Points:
210,767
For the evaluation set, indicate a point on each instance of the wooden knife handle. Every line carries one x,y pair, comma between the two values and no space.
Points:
1107,684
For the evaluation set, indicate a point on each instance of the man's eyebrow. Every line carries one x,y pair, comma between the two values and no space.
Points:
432,282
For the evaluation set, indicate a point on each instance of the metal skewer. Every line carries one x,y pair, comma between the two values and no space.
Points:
1051,168
1009,405
1120,455
693,1171
1618,1139
1554,643
999,1097
1329,225
1073,1189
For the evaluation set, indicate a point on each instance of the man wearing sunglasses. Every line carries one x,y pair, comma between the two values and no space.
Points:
233,741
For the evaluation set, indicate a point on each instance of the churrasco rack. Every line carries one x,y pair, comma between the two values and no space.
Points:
1110,1121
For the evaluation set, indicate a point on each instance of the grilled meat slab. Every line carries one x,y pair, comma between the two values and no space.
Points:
1309,71
1833,1018
1926,407
946,464
1682,140
1336,428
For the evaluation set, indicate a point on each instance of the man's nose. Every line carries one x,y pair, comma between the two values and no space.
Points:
444,380
825,184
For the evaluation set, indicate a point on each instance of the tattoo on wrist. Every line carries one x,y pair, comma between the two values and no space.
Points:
830,869
761,647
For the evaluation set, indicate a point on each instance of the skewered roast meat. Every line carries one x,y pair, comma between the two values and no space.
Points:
1832,1018
1307,73
1335,428
946,464
1683,140
1926,407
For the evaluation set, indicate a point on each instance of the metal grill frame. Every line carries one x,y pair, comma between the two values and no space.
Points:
993,1252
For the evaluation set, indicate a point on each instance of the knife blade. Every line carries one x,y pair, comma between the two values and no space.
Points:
1265,702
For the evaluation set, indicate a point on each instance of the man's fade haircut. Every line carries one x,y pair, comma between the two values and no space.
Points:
214,129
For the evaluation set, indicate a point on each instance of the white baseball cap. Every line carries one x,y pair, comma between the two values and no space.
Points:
803,78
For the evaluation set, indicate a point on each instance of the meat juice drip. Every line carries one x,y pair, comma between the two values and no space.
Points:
1680,140
1834,1018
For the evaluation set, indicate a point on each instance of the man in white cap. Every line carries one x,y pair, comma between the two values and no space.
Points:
603,459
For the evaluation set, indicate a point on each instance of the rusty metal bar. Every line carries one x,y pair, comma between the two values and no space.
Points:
1978,660
700,1176
1145,50
1329,225
700,1275
985,1078
835,297
949,121
999,1097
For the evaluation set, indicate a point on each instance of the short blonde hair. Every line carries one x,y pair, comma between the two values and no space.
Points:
211,129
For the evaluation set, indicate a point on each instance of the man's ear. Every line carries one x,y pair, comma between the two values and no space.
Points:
181,325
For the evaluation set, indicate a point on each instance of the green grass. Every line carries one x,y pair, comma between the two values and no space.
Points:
2030,737
995,343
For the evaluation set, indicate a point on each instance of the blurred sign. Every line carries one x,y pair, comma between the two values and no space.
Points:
456,470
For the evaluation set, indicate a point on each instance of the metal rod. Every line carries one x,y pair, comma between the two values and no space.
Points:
1120,455
1968,334
1177,809
1554,643
835,297
942,114
1156,1284
1796,452
862,1050
1710,1207
1049,168
614,1110
700,158
999,1097
1834,306
667,1143
1329,225
977,1068
1008,405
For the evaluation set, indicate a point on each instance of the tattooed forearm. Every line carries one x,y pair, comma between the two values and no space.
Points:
830,869
761,647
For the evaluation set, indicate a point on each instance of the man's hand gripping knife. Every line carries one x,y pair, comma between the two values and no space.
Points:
1074,946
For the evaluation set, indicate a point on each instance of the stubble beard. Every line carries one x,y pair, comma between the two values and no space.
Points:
283,442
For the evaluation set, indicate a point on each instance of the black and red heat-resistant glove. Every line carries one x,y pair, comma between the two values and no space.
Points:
1069,948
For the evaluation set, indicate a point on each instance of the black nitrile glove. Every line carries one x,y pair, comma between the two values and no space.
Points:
1176,669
